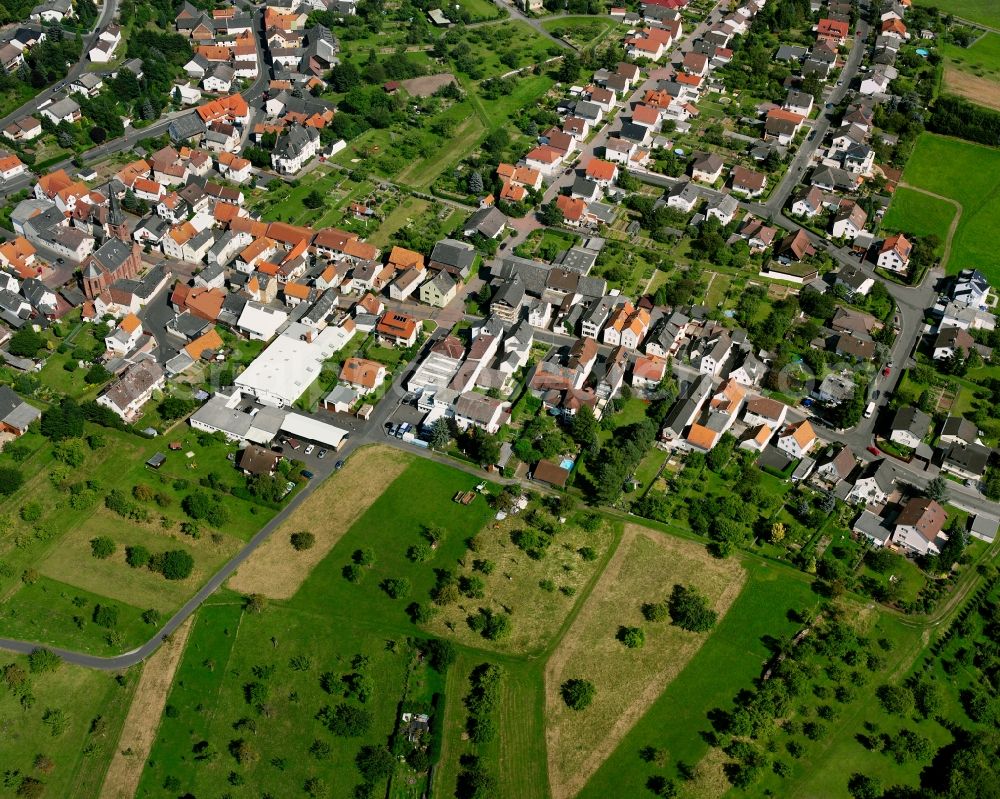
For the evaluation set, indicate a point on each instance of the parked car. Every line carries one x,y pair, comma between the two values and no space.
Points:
307,474
886,371
338,466
309,449
294,443
321,454
873,449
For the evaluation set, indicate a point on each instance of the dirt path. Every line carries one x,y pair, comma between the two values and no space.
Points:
275,569
143,720
946,254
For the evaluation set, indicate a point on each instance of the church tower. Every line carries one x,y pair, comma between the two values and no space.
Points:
117,225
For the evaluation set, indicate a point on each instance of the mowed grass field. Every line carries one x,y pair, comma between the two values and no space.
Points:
985,12
49,579
627,681
970,174
517,583
919,214
974,72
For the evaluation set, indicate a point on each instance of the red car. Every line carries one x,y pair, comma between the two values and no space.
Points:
874,450
885,372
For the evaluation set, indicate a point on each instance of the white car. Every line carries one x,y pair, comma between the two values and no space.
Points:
309,449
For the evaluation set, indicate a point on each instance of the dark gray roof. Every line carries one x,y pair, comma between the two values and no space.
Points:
911,419
968,457
451,252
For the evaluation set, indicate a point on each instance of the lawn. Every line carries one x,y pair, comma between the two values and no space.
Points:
730,659
70,762
985,12
917,213
970,174
627,681
52,612
281,203
406,212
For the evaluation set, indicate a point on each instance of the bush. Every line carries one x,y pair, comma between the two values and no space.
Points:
396,587
632,637
655,611
201,505
106,616
11,479
346,721
102,547
136,556
577,694
175,564
43,660
303,540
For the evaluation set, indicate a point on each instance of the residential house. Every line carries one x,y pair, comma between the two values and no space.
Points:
909,426
894,253
707,167
397,329
919,525
747,182
967,461
797,439
957,429
765,411
855,280
16,415
836,468
952,342
133,389
875,483
440,290
849,221
362,375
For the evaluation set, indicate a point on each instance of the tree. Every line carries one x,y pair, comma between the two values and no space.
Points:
106,616
861,786
11,479
577,693
25,343
584,427
655,611
176,564
102,547
313,199
243,752
255,603
689,610
174,407
895,699
937,489
475,183
777,533
346,721
303,540
96,375
550,214
56,720
440,434
375,763
440,653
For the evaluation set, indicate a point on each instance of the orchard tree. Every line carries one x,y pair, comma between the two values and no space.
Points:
689,609
577,693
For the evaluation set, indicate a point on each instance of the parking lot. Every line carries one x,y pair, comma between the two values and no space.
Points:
405,412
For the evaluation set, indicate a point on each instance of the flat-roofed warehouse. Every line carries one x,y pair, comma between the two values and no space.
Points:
310,429
283,372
